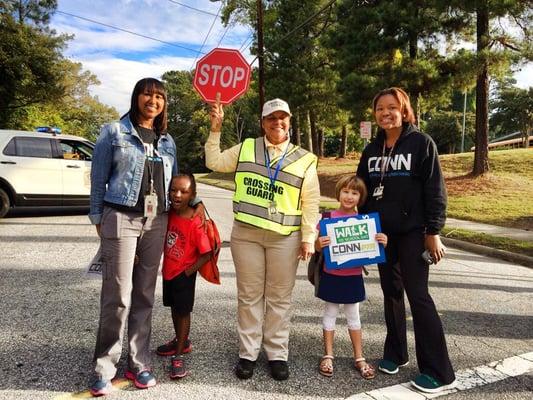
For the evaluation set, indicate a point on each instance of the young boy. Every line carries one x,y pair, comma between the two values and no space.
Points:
187,248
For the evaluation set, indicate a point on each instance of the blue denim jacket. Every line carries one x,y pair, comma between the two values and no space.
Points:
118,166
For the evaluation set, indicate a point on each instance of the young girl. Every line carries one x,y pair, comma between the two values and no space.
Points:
187,248
344,286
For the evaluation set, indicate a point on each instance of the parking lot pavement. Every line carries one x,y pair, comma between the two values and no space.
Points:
50,315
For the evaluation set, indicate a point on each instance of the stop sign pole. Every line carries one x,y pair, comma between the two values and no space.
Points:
223,71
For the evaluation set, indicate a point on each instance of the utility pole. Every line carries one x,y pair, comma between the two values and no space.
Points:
260,54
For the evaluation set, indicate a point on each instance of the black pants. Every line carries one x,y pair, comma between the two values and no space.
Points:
405,270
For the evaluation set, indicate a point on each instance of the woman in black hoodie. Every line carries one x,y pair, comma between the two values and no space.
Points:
405,185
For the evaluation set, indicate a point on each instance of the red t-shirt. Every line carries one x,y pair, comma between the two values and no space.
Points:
185,241
344,271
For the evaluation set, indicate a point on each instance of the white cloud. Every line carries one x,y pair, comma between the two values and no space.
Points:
119,59
118,76
524,77
162,20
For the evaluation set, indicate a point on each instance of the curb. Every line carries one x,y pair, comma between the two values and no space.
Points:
521,259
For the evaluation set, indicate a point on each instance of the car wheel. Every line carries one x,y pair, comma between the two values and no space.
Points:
4,203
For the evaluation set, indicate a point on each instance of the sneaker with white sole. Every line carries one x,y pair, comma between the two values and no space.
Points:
143,380
428,384
390,367
101,387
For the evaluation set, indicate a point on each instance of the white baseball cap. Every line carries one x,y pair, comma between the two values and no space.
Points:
275,105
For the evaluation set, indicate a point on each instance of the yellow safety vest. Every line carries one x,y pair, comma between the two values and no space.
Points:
254,192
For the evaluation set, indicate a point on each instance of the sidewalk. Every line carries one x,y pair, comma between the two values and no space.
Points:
510,233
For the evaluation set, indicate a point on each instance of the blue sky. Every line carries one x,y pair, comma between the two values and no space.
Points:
119,58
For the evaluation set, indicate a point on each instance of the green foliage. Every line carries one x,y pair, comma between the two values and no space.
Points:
38,86
446,127
297,67
189,120
36,12
75,111
30,67
396,43
512,110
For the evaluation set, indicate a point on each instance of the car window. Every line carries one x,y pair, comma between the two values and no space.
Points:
30,147
10,149
74,150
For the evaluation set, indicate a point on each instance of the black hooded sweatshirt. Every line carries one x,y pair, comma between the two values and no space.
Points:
414,193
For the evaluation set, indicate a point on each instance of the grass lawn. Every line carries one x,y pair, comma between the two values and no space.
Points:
502,197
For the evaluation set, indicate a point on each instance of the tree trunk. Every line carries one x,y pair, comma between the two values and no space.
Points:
481,153
320,133
314,133
344,140
295,136
308,142
526,137
413,38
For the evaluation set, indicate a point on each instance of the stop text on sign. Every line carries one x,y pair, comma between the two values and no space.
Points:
225,76
223,71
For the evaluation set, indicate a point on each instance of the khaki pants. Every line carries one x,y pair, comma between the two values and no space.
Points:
127,289
265,265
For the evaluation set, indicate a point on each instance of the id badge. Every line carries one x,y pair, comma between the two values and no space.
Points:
272,208
150,205
378,192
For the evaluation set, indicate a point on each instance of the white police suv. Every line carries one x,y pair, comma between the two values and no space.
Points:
43,169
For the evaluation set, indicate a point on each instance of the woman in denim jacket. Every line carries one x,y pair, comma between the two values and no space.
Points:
133,162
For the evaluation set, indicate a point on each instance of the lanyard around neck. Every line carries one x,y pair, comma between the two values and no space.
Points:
274,178
385,165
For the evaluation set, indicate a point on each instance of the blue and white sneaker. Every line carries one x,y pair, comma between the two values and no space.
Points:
143,380
101,387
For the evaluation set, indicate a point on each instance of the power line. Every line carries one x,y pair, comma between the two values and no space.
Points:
208,33
130,32
301,25
245,44
192,8
223,36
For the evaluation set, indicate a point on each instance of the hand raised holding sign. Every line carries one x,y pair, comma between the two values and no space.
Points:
217,115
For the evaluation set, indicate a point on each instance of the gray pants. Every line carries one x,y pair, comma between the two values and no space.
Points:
127,289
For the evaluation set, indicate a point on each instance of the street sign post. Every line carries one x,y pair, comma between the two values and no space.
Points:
223,71
365,128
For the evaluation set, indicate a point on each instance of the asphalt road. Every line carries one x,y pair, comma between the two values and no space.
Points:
50,313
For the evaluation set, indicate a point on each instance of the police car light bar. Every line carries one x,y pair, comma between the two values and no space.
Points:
48,129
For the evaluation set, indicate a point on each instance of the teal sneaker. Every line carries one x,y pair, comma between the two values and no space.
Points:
390,367
428,384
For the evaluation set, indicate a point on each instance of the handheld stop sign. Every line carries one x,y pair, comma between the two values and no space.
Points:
224,71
